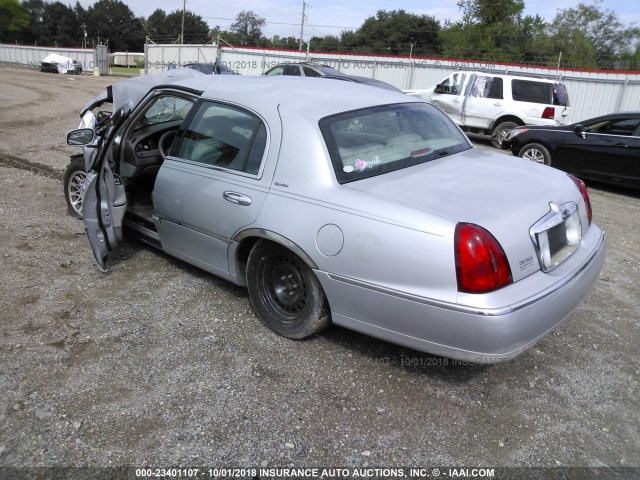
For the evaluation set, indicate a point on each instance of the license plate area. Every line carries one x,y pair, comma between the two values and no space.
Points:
557,235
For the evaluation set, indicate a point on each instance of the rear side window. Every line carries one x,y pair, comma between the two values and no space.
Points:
487,87
531,91
376,140
292,70
226,137
310,72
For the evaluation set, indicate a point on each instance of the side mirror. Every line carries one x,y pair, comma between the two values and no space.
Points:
578,129
440,88
80,137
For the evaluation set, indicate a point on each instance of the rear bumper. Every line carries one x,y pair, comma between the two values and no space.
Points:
493,331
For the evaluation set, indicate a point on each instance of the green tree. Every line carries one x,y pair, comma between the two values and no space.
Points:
64,31
494,30
13,18
225,37
163,28
288,43
155,27
328,43
114,21
248,28
396,32
196,29
589,36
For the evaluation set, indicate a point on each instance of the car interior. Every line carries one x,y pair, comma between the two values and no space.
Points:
219,136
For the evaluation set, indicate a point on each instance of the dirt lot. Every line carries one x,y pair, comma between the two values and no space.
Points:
157,363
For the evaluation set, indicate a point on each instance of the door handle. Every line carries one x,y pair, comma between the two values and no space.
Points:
497,104
237,198
622,145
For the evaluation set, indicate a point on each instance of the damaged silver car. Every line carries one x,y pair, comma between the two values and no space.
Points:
353,205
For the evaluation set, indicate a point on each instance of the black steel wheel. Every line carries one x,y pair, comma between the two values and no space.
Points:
285,293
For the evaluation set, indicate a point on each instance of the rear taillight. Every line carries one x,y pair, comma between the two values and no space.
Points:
481,265
549,113
585,195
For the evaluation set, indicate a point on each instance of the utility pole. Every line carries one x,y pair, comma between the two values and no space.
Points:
84,41
304,4
184,6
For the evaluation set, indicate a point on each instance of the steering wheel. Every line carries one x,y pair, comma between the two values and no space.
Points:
164,144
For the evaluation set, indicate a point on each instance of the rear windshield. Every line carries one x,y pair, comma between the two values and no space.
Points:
560,95
368,142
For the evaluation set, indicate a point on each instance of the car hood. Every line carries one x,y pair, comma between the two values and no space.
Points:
546,127
134,89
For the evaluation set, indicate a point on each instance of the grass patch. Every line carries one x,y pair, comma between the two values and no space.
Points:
131,71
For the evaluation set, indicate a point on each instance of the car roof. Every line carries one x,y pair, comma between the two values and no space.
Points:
315,96
508,75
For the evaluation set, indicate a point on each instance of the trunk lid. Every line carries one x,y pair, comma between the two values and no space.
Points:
505,195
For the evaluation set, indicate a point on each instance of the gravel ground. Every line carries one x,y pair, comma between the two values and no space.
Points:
158,363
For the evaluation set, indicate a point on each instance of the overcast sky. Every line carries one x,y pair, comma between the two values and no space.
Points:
330,17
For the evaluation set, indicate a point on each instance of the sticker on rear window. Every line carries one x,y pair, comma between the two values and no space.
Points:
362,165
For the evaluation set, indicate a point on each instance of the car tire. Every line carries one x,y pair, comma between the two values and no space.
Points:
500,132
285,293
74,176
536,153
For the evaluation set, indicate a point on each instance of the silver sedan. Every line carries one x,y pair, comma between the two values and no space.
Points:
334,202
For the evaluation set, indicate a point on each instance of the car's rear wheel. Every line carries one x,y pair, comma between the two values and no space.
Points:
74,177
500,132
285,293
536,153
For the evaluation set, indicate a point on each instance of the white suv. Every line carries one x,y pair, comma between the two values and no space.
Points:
493,104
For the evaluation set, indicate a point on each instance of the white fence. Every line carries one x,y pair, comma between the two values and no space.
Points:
591,93
30,57
159,57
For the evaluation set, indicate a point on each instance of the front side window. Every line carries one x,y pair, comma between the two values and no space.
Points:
452,84
624,127
372,141
226,137
164,109
293,70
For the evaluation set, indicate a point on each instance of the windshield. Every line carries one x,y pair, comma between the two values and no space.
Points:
164,109
376,140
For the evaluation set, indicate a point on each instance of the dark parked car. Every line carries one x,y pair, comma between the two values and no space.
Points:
211,68
305,69
605,149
